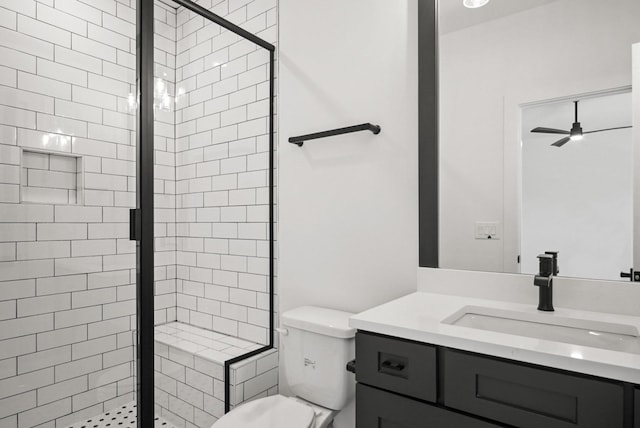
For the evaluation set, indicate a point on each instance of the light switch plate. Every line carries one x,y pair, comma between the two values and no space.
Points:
488,230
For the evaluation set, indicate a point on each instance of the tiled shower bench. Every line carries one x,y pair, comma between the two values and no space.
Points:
189,373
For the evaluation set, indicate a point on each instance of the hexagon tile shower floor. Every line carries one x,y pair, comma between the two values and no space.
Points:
123,416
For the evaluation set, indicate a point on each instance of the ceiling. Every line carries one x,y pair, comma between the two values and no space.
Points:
454,16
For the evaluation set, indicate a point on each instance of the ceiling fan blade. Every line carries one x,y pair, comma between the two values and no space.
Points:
562,142
608,129
550,131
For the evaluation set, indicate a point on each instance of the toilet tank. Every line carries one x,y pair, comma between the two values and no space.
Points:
316,348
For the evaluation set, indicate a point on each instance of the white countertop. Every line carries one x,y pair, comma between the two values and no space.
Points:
418,316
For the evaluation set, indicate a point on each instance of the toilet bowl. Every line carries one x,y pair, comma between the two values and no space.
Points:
316,344
277,411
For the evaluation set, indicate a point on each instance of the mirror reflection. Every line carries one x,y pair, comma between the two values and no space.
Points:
537,111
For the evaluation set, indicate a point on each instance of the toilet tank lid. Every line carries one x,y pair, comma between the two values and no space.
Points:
328,322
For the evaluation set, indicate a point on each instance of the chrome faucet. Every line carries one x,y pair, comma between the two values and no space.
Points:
544,280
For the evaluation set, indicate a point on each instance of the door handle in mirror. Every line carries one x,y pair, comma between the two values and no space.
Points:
633,275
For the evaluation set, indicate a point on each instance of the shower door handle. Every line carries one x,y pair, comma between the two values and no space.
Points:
135,222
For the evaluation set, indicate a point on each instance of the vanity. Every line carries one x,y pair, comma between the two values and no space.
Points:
433,360
507,178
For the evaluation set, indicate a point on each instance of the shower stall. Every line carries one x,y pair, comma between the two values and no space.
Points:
136,210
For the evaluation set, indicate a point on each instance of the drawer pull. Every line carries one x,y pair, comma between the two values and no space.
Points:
392,365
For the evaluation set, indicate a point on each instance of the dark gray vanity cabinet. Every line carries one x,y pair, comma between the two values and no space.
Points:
406,384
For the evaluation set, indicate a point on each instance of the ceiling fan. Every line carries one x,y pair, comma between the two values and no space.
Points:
575,134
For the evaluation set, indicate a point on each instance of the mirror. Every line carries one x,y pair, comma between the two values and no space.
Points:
507,194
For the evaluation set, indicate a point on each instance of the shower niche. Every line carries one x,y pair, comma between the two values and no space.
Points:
51,178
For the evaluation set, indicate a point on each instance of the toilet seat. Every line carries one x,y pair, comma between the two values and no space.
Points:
270,412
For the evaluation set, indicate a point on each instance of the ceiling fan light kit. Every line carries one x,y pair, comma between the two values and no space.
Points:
474,4
576,133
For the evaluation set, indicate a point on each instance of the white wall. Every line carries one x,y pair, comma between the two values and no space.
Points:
348,204
487,71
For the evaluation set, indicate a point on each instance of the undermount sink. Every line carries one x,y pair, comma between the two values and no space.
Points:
548,326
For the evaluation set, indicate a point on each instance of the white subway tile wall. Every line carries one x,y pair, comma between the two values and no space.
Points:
67,268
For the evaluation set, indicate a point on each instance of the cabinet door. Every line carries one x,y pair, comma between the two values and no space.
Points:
380,409
529,397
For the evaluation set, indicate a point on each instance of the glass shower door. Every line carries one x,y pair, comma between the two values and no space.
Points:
213,143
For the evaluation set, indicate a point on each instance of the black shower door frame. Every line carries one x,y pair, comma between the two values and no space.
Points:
142,219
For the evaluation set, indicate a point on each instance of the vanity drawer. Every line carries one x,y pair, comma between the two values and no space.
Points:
376,408
527,396
396,365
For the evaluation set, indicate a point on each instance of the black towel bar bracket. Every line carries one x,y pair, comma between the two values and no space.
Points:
349,129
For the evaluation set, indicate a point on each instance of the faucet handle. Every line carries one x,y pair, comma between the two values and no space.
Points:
554,254
546,264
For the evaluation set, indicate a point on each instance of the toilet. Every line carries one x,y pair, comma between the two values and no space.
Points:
316,344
